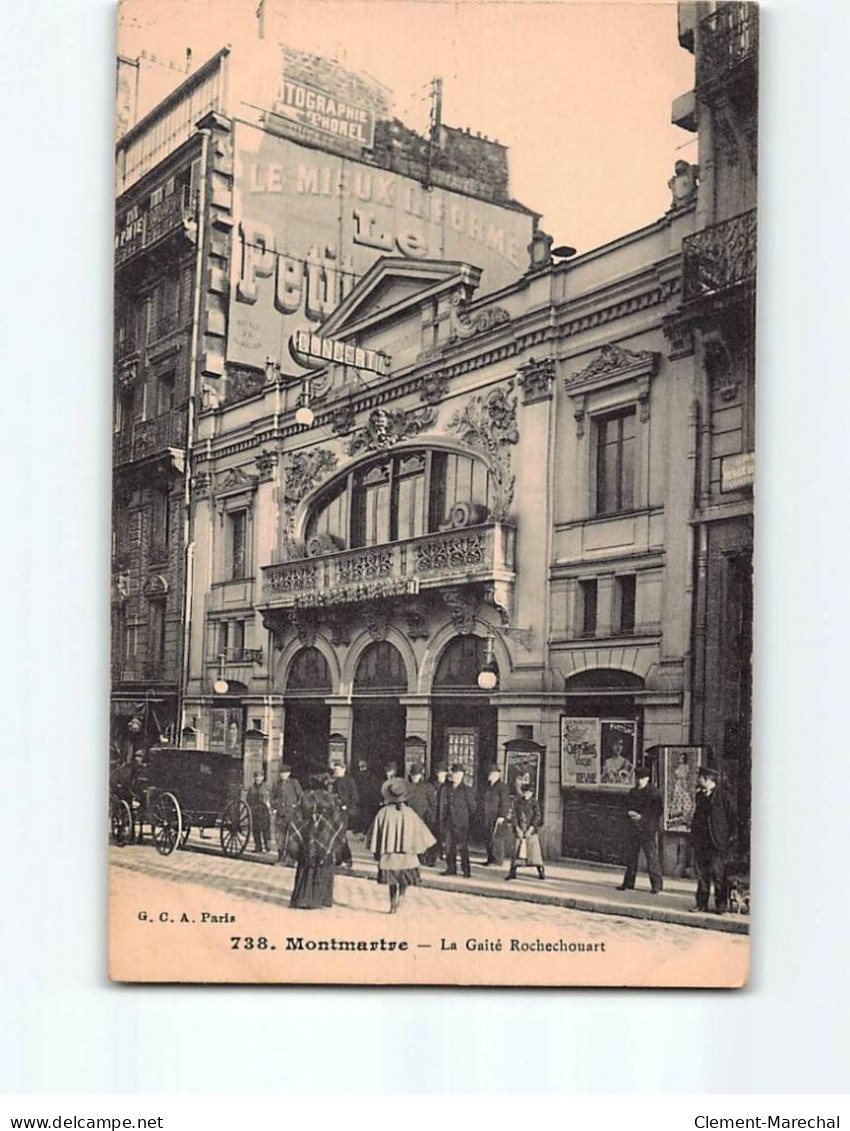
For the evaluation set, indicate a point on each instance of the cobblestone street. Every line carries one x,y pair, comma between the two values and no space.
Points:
487,932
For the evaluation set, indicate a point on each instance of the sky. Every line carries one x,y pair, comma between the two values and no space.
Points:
580,92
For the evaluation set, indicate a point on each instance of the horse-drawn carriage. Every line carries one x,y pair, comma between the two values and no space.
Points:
179,790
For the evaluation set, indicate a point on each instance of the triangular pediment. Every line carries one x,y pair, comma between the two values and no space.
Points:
392,286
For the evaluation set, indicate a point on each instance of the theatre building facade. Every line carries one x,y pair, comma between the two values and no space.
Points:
454,527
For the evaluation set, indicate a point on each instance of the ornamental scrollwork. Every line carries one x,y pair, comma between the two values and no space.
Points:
535,379
462,606
488,423
434,387
296,578
368,566
303,471
386,427
464,324
459,551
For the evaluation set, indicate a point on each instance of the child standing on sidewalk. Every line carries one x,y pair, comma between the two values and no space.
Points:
526,821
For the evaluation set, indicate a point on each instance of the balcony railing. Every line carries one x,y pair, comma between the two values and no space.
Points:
719,258
146,438
728,38
476,553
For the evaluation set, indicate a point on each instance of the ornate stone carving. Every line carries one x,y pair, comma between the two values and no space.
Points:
417,627
340,630
464,325
720,367
434,386
450,552
377,614
155,586
355,594
680,336
462,604
535,379
303,471
366,566
201,483
683,184
297,577
342,419
488,423
386,427
234,481
305,627
498,594
612,359
266,462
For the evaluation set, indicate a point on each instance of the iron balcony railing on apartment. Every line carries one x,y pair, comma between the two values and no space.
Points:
719,258
728,39
168,216
145,438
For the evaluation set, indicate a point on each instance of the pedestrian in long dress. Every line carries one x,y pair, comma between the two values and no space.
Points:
526,821
316,842
397,838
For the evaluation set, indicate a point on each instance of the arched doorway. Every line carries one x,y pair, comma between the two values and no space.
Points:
307,722
464,724
378,720
602,716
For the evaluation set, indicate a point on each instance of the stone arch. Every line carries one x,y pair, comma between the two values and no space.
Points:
637,661
359,646
441,640
291,650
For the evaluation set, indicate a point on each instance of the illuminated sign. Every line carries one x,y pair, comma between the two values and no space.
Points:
310,224
324,112
313,351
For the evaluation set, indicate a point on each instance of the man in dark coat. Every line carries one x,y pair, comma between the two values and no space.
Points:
710,833
643,804
369,794
261,818
496,808
441,774
285,801
457,808
345,791
422,799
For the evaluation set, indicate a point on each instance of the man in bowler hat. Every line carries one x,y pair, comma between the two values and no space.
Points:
457,809
285,800
496,808
710,834
643,805
423,801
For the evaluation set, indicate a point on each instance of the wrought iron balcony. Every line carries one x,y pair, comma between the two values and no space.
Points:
719,258
483,553
728,43
148,438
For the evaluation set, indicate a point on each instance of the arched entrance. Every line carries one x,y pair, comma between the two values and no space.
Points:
464,724
307,722
378,719
604,724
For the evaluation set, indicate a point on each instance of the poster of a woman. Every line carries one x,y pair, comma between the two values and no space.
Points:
680,783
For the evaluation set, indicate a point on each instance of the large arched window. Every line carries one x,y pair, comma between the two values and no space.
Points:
309,674
459,665
400,496
381,669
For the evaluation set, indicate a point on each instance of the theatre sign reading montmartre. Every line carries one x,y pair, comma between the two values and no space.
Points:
394,481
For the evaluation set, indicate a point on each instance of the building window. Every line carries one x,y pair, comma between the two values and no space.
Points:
238,547
164,393
615,462
156,632
626,589
161,518
399,497
236,640
588,592
131,644
221,640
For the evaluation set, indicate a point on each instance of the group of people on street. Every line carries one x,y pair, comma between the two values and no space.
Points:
711,826
408,823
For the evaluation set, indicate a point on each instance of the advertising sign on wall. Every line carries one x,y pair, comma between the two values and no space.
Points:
309,224
579,751
679,767
324,112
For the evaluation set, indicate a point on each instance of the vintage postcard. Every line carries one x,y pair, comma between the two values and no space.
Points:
433,461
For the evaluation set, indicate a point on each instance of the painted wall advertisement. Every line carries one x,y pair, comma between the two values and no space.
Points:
309,224
680,765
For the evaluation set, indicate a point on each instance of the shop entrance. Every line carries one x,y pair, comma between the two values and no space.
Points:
379,720
307,722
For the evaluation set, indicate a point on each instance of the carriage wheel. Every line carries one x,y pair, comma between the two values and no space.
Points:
167,823
184,836
235,828
121,822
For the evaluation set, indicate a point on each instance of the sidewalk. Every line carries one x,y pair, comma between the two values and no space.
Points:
569,883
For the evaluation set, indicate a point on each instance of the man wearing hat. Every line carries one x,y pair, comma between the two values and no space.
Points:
441,773
390,775
457,808
285,802
643,804
496,808
423,801
710,833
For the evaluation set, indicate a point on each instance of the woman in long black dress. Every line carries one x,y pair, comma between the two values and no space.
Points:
316,843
